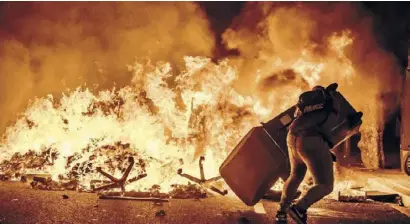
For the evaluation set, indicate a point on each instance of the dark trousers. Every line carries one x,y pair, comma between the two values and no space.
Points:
308,152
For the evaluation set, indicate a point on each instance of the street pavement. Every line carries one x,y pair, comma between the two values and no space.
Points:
21,204
391,181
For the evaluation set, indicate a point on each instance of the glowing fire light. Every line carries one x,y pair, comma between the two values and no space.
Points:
161,116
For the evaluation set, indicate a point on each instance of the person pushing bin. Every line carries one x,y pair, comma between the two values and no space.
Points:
295,141
309,150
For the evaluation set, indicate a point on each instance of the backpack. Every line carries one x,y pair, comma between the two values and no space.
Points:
319,99
315,100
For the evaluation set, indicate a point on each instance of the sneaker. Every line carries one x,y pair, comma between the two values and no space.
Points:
281,218
298,214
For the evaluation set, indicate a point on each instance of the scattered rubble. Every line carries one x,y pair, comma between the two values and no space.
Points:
153,194
187,191
118,156
112,156
137,194
156,197
42,183
385,197
4,177
360,195
160,213
352,195
122,160
65,196
13,167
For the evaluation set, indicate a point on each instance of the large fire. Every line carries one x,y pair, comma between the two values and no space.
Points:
169,120
199,114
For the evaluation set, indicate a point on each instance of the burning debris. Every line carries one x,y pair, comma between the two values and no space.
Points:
42,183
154,193
112,157
118,183
22,165
155,122
207,183
187,191
352,195
31,160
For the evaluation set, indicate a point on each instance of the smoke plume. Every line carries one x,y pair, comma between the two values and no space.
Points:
48,47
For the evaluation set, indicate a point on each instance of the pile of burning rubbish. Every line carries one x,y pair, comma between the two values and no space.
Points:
85,135
118,158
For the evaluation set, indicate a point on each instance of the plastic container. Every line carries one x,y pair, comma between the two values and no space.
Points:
254,166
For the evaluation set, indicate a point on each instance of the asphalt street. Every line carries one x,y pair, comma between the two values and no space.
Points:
21,204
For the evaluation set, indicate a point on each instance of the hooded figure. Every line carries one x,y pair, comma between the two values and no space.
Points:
308,150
